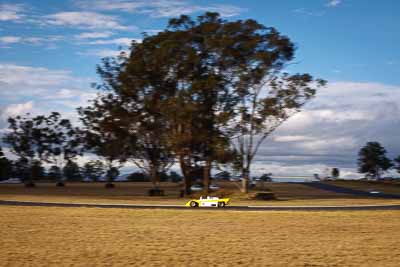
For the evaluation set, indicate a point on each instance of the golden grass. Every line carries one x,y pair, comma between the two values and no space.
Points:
42,236
135,193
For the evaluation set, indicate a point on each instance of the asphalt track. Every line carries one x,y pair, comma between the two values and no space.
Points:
182,207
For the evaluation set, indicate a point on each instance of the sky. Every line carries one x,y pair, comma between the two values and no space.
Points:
49,51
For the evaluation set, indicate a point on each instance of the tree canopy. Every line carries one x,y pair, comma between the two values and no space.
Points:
397,163
373,160
201,91
5,166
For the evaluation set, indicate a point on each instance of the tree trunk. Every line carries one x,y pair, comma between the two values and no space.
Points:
206,176
378,173
29,181
245,181
110,176
155,177
187,179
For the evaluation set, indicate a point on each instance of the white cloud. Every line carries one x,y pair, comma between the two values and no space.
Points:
333,127
333,3
324,144
161,8
11,12
40,90
7,40
85,20
304,11
118,41
152,31
10,39
101,52
18,77
17,109
291,138
93,35
62,94
49,89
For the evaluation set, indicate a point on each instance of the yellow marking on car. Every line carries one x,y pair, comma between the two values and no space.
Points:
208,202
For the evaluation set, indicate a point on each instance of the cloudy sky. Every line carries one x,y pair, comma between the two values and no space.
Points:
49,50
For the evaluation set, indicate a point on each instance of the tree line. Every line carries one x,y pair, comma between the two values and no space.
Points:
93,171
202,93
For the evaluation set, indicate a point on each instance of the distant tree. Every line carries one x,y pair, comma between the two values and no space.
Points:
42,138
372,160
335,173
21,170
175,177
71,171
111,174
25,141
5,166
224,175
138,177
397,164
37,170
93,170
61,142
164,177
108,144
266,177
55,173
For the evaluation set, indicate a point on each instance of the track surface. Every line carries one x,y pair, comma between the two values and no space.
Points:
175,207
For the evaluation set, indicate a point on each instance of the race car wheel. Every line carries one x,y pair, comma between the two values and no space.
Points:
194,204
221,204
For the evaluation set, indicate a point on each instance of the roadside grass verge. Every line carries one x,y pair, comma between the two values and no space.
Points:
43,236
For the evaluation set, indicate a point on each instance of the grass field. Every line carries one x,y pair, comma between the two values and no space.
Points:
42,236
386,187
135,193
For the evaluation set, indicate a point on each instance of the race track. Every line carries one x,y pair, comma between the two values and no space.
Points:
182,207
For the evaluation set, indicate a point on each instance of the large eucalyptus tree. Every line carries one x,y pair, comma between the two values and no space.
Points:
205,87
224,82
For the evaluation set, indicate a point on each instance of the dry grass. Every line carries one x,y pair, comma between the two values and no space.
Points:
41,236
134,193
384,187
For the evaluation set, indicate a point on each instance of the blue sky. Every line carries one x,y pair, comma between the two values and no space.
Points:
49,50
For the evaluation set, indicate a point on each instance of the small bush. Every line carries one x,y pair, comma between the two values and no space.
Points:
156,192
109,185
30,184
263,196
